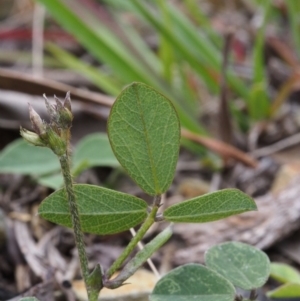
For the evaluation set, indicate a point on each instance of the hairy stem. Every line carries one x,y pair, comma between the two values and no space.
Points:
135,240
65,167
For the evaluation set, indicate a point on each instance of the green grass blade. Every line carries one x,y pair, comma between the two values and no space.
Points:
192,37
96,76
165,49
140,46
188,87
102,44
259,103
293,7
176,93
202,20
200,67
204,49
193,47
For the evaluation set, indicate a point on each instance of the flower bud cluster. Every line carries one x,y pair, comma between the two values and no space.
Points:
53,134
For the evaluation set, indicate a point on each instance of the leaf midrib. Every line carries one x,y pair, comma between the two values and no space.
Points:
94,213
153,169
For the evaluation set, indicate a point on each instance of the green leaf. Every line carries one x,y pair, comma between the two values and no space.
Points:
193,282
210,207
243,265
23,158
29,299
144,132
142,256
288,290
102,211
94,150
284,273
94,282
54,181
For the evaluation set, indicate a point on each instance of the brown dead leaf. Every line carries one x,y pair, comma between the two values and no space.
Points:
20,82
223,149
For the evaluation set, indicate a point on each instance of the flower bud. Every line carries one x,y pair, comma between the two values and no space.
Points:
59,105
64,116
50,109
36,121
54,135
67,102
65,119
31,137
55,142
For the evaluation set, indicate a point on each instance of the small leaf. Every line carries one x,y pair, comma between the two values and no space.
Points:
144,133
29,299
284,273
94,282
140,258
94,150
193,282
243,265
23,158
210,207
288,290
102,211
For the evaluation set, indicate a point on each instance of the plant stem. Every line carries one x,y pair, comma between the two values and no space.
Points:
134,241
253,295
224,116
65,167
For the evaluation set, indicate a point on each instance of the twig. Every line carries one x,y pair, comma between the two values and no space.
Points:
284,91
254,134
20,82
276,147
221,148
225,127
284,51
